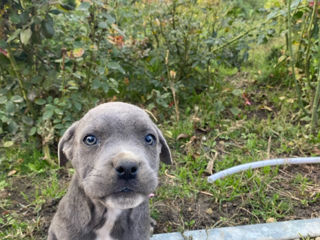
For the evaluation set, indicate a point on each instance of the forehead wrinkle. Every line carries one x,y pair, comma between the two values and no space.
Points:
90,124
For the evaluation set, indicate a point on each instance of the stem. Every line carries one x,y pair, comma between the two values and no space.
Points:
292,61
154,33
171,85
20,80
47,155
176,107
174,10
233,40
307,59
314,117
303,32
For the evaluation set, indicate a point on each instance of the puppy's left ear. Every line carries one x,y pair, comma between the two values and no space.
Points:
65,146
165,155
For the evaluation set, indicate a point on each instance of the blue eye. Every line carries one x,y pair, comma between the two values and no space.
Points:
90,140
150,139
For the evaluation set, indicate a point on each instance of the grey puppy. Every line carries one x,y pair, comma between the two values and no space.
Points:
115,150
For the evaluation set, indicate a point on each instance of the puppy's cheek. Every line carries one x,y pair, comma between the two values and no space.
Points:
148,180
93,189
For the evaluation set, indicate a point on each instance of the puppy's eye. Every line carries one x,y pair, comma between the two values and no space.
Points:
150,139
90,140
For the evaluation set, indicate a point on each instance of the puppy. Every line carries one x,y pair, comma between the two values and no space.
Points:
115,150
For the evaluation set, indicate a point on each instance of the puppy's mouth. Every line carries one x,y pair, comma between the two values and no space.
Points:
125,190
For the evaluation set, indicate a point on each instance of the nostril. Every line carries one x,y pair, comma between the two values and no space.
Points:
134,170
120,171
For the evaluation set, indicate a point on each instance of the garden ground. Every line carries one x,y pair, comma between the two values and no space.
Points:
30,190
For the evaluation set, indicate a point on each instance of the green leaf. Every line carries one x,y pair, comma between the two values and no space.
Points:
13,127
32,131
40,101
14,35
59,126
237,92
3,44
105,88
47,115
235,111
47,27
78,106
103,25
8,144
27,120
14,18
115,66
84,6
96,84
68,4
272,15
10,108
17,99
58,111
25,36
3,99
110,19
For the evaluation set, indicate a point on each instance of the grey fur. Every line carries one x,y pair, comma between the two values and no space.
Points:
96,187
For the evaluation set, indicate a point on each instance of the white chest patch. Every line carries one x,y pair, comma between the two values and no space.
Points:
104,233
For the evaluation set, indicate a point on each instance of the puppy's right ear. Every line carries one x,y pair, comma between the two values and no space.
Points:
66,144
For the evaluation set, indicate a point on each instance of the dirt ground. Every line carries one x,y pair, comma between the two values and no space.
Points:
208,213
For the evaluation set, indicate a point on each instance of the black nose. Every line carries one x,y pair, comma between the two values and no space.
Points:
127,170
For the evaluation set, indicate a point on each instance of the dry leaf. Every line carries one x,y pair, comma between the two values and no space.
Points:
182,136
12,172
210,165
192,139
316,151
75,53
209,211
271,220
267,108
196,119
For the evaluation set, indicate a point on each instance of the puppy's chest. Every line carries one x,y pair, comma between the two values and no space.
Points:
104,233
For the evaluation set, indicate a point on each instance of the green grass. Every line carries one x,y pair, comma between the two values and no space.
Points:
250,197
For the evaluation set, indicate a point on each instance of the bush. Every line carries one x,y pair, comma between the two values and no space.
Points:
58,59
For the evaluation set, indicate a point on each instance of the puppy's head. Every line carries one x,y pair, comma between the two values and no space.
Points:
115,149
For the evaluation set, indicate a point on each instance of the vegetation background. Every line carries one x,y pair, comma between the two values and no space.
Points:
228,81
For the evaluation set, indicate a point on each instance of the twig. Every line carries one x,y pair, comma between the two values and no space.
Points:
171,85
246,210
269,147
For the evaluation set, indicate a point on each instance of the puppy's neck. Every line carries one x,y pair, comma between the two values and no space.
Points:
104,233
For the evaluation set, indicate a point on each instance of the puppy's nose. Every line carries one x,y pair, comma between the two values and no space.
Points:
127,170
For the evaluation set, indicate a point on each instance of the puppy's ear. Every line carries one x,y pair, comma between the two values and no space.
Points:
66,144
165,155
